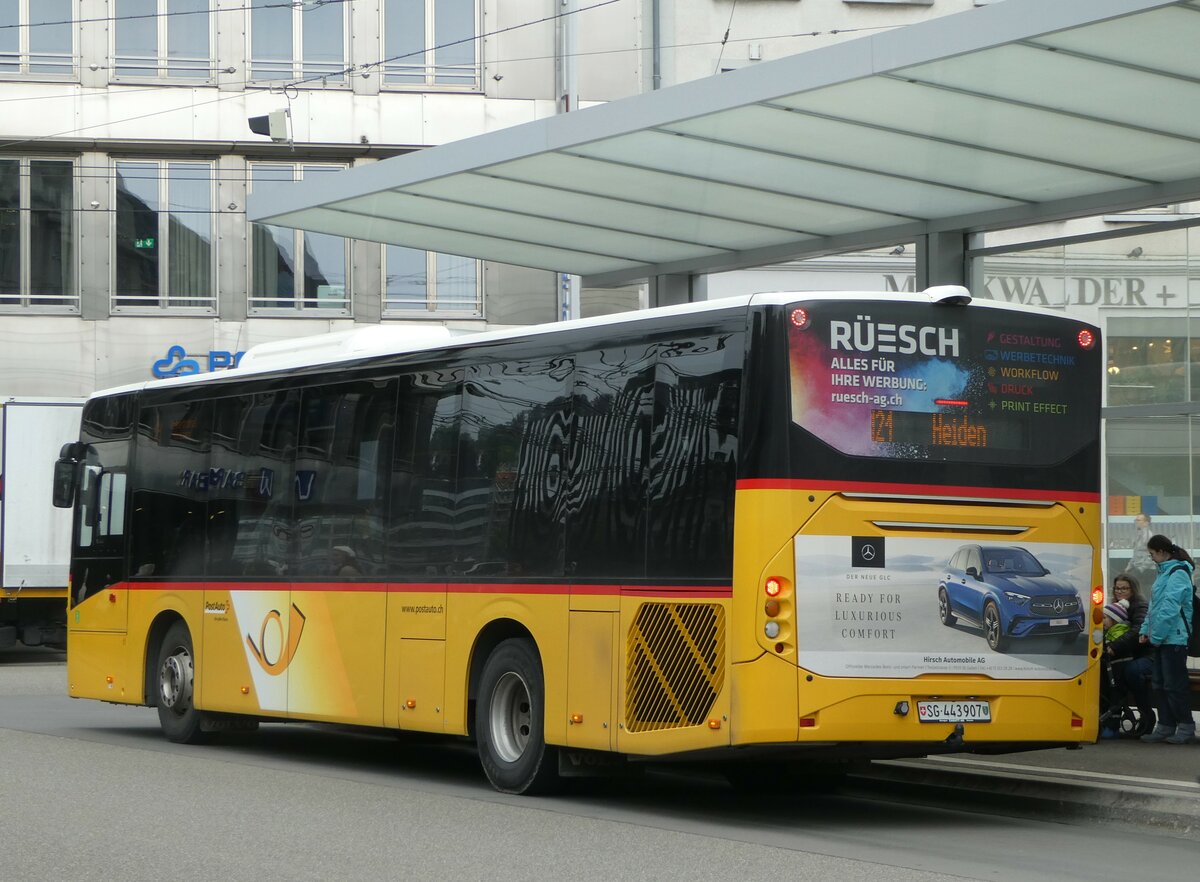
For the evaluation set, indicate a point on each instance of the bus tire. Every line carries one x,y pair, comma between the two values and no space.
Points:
945,612
993,627
510,716
174,680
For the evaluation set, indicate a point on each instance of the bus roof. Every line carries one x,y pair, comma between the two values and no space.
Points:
379,340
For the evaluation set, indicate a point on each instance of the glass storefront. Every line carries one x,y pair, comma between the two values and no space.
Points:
1140,282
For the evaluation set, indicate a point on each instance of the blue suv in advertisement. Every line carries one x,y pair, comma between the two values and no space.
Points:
1007,592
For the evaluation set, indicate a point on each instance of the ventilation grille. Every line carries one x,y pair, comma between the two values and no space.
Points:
676,667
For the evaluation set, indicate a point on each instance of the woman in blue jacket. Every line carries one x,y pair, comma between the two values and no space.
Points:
1166,630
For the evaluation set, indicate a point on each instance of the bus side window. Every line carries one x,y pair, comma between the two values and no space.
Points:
613,401
424,465
693,455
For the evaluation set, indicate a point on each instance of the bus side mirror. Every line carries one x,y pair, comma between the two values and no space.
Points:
65,480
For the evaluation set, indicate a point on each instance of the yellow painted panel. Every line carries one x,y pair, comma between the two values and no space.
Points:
94,656
422,685
590,693
106,610
336,669
223,663
764,706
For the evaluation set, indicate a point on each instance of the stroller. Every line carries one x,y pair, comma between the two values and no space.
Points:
1116,716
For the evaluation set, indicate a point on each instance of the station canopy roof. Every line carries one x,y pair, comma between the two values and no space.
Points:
1009,114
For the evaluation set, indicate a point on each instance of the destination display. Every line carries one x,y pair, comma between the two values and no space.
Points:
904,381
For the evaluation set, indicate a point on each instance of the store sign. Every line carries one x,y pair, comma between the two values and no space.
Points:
1054,291
178,363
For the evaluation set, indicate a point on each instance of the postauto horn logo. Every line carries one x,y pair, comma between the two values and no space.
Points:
279,664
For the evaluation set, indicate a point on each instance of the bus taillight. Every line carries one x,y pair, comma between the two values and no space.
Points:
773,586
1086,339
1097,596
800,318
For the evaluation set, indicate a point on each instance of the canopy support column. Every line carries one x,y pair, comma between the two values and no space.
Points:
675,288
942,259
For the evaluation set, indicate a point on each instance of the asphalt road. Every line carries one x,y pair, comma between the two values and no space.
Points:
93,792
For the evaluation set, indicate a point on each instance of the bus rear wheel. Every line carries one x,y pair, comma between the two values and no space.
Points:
510,721
174,679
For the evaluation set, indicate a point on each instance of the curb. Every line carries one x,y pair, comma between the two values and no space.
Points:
1046,794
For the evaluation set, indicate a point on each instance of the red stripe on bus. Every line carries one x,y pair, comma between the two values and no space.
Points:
915,489
439,587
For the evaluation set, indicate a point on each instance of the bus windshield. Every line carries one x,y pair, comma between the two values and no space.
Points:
888,380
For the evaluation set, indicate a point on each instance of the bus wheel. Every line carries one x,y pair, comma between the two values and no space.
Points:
948,618
174,678
510,721
993,628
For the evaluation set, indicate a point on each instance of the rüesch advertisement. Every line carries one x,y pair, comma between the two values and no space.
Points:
889,381
872,606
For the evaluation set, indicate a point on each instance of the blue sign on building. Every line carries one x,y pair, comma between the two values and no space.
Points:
177,363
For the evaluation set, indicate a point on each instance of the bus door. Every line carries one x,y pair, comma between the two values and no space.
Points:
422,550
99,601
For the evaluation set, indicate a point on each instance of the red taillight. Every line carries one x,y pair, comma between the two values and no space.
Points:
1097,596
800,318
1086,339
808,722
773,586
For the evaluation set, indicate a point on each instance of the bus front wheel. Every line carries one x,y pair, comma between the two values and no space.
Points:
510,721
175,686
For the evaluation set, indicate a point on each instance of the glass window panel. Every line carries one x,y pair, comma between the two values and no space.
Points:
51,232
50,45
457,283
137,38
273,273
406,285
454,32
1148,361
10,231
324,271
324,261
189,234
10,37
324,43
188,30
404,41
270,40
1151,470
137,235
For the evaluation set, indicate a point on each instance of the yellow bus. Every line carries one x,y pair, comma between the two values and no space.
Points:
762,530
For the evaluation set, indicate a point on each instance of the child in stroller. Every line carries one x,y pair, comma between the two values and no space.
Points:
1122,676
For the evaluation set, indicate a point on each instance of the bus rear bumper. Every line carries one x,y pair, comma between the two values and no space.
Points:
783,703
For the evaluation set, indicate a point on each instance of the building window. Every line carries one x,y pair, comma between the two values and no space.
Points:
292,270
164,236
423,283
36,37
37,233
430,42
299,41
162,38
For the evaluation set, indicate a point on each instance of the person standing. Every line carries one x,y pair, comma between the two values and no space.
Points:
1166,629
1140,565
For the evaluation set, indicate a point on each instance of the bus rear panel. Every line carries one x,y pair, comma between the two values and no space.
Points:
917,544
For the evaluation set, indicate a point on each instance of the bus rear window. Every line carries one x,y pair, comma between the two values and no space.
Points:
909,381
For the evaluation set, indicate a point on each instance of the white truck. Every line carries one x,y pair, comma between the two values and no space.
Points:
35,537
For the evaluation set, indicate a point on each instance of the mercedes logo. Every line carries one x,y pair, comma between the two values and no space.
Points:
1059,605
868,552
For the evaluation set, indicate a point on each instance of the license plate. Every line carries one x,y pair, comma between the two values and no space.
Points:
1058,623
954,712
